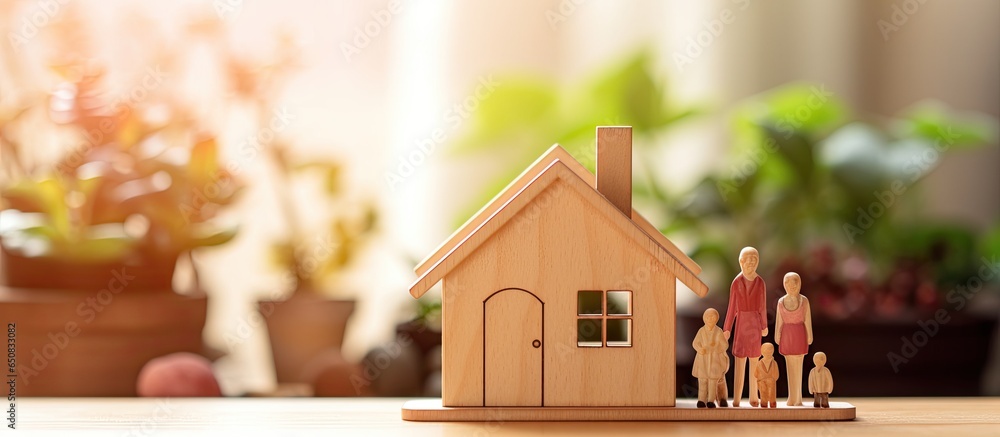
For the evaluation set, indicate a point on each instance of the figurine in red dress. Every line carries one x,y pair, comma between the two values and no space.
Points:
793,334
747,309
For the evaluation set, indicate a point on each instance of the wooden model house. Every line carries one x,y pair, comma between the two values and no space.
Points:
558,293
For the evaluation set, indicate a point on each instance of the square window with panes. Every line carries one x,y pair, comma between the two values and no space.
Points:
604,318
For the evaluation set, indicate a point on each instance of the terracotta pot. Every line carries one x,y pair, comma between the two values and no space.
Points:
22,272
94,343
87,329
301,328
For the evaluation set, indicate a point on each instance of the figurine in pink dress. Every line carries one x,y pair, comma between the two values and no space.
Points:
793,334
747,309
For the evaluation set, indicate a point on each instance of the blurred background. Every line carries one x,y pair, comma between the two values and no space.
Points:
240,190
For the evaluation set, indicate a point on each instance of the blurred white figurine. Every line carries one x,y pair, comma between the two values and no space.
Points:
710,361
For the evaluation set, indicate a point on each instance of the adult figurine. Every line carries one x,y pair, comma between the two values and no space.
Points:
793,334
710,361
747,309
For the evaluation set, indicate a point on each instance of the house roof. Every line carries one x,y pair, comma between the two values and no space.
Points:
555,164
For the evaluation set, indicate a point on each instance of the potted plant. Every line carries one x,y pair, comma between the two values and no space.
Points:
89,245
309,323
303,322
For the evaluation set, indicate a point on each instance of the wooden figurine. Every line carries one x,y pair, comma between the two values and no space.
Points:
722,389
559,303
711,361
793,334
766,374
747,309
820,381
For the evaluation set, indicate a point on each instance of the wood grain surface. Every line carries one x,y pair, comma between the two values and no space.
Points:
377,417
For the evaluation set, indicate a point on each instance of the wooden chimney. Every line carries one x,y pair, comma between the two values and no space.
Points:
614,166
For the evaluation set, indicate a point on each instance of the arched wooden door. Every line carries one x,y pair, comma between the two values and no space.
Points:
513,343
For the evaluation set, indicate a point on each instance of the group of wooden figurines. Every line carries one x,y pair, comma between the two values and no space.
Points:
746,323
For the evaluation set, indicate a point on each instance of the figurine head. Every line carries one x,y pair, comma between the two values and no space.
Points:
767,350
711,317
793,283
819,359
748,261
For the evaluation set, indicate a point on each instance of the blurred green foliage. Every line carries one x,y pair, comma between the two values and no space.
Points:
799,168
802,173
124,195
313,258
525,116
146,183
314,262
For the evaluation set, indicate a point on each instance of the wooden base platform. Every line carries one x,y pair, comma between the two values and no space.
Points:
431,410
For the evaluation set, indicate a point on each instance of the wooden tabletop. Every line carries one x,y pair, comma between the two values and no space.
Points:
950,417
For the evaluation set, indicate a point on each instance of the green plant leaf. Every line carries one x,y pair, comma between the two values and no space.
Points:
517,105
934,122
24,195
204,162
991,244
857,157
802,107
282,254
53,195
98,244
628,94
206,237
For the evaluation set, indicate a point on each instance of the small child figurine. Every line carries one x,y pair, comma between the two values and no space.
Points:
766,374
820,381
710,361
